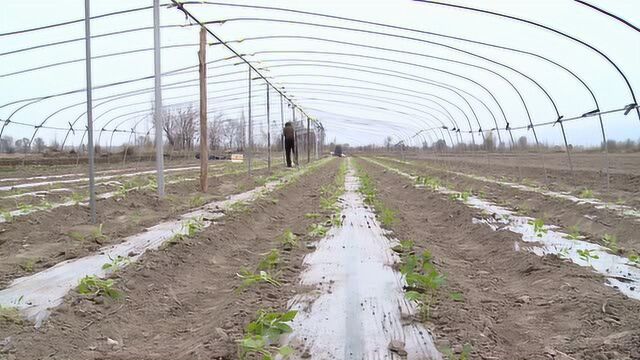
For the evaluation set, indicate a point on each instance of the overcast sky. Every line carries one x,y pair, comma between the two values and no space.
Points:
358,99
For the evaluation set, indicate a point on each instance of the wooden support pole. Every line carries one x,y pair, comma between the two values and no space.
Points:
204,153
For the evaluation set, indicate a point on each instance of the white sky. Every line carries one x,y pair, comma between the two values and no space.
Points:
397,101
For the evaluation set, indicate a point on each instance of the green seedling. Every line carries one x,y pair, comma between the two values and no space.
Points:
28,265
288,240
10,315
387,216
312,215
152,184
189,229
336,219
423,280
270,261
92,285
260,181
564,252
429,182
587,255
116,263
77,197
25,208
404,247
249,278
456,296
76,235
611,241
538,227
634,258
45,205
262,335
239,207
574,234
97,235
7,216
586,194
463,196
464,355
193,226
317,230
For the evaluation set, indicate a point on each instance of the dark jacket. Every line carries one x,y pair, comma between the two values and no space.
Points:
289,131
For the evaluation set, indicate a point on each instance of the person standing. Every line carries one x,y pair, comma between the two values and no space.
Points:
289,141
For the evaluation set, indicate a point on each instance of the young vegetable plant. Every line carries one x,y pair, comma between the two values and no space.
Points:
634,258
249,278
317,230
538,227
262,335
404,247
270,261
423,281
97,235
116,263
288,240
10,315
189,229
575,233
92,285
8,218
77,197
387,216
28,265
197,201
611,241
464,355
586,194
587,255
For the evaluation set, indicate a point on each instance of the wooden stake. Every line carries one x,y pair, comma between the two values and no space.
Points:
204,153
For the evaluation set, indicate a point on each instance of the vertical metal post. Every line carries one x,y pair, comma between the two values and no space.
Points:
566,145
250,133
87,42
268,131
606,151
204,153
284,155
295,133
308,140
158,99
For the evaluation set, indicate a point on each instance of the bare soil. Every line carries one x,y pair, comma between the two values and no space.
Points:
183,302
589,171
592,223
40,240
515,305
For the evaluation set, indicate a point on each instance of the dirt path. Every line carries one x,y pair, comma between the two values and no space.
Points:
592,222
515,305
357,306
183,302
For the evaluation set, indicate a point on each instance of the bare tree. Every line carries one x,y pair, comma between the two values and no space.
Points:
387,142
7,145
522,142
23,145
179,125
39,144
216,132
